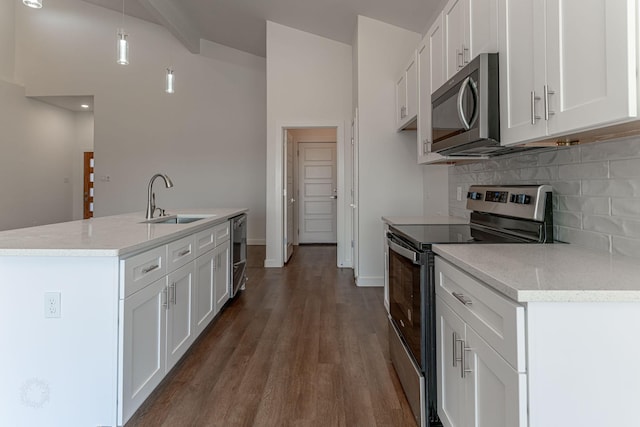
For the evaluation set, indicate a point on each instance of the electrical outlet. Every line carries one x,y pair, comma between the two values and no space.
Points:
459,193
52,304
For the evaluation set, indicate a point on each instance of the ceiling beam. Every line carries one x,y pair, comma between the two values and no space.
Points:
176,21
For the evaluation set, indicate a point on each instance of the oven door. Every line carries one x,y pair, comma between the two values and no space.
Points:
406,273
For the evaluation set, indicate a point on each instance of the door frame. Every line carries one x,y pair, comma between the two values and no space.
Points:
275,237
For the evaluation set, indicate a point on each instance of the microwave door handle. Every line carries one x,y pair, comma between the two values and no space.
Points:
468,82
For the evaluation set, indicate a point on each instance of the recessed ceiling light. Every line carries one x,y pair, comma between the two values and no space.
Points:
36,4
84,105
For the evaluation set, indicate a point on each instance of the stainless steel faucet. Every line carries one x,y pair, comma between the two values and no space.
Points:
151,196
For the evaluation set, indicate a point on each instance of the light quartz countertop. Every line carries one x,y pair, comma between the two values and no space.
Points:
420,220
548,272
117,235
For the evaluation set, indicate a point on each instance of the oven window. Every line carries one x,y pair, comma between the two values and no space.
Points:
404,301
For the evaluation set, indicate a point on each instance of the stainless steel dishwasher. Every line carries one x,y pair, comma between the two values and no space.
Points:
238,253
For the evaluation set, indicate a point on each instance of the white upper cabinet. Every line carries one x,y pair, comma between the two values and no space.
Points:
407,95
591,63
583,77
430,78
470,28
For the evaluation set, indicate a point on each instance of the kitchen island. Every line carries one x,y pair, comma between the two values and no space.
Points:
537,335
98,311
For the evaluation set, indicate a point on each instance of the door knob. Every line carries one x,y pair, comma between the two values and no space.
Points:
333,197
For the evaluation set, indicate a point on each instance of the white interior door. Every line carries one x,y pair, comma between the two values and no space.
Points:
289,200
317,192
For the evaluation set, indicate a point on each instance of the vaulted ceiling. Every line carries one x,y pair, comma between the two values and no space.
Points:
241,24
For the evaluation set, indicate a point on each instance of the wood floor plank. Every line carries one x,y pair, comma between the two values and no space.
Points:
301,346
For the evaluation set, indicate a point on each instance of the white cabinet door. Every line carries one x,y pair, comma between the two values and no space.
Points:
401,99
450,335
222,281
495,392
521,64
144,345
430,77
591,63
454,18
411,72
180,334
407,94
204,305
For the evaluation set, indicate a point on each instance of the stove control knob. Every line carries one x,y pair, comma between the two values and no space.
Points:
521,199
474,195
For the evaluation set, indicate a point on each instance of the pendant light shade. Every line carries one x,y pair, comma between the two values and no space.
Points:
122,48
170,82
36,4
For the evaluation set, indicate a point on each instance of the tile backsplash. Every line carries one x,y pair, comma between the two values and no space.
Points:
596,186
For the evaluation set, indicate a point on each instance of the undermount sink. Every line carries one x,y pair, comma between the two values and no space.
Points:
179,219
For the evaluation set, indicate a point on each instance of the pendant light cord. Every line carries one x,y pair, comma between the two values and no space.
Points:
122,25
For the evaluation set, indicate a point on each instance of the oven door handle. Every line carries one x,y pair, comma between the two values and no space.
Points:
407,253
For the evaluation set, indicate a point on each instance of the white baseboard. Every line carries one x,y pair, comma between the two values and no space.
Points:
372,281
256,242
272,263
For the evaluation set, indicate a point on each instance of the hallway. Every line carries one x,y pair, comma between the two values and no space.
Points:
301,346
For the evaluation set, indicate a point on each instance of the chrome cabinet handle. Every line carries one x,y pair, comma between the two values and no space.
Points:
173,293
455,341
333,197
165,298
534,98
403,112
150,268
547,112
463,299
463,360
464,57
184,252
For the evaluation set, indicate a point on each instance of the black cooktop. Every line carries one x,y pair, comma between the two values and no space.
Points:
423,236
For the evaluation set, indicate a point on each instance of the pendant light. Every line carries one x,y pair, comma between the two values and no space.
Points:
170,81
122,45
36,4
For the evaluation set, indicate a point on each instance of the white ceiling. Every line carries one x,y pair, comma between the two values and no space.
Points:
71,103
241,24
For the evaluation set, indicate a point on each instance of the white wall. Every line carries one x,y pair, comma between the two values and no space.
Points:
308,85
390,181
7,40
35,166
208,136
436,189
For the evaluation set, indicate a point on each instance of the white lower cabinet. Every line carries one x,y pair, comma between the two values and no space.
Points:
161,319
179,310
143,345
477,386
221,281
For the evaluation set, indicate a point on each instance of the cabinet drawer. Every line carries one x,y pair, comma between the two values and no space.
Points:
180,252
142,269
498,320
212,237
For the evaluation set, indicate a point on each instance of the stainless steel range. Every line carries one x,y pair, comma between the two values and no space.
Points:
500,214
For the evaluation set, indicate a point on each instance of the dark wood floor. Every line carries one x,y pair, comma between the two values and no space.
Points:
302,346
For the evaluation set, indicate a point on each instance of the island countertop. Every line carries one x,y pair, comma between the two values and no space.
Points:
548,273
116,235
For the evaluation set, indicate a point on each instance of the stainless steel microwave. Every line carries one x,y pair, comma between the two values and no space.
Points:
465,110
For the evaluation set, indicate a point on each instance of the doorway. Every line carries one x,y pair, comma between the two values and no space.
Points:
88,180
311,187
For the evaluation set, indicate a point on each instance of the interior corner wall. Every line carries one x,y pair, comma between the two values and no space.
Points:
209,136
35,166
390,180
308,85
